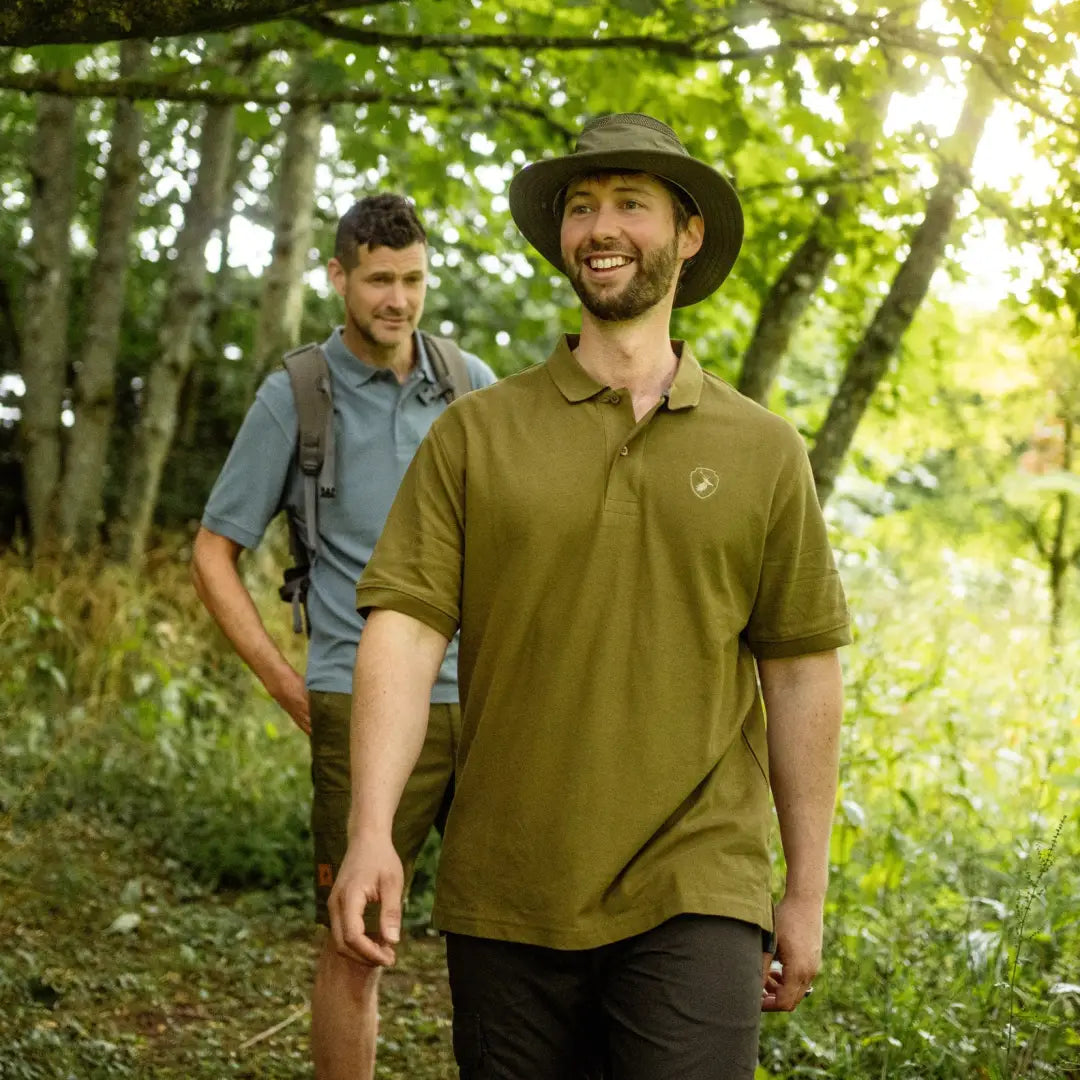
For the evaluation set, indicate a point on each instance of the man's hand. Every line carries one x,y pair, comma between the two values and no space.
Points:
371,873
287,688
798,951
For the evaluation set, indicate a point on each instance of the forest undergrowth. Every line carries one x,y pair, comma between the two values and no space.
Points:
154,845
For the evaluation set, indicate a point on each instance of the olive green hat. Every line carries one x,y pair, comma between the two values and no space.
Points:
635,143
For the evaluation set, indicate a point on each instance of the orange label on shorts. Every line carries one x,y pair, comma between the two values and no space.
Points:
326,874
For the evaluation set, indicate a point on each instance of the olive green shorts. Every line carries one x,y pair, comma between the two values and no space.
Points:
424,803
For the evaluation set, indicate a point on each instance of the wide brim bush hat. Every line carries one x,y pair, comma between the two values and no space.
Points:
634,142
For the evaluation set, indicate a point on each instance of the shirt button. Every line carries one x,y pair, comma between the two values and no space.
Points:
624,450
614,399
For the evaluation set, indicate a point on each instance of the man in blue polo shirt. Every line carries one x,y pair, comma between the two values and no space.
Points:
383,387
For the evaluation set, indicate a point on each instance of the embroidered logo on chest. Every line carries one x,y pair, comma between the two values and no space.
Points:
703,482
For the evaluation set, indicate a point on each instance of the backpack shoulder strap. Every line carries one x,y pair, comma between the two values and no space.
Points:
451,371
309,375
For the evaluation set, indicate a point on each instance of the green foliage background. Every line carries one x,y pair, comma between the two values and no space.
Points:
154,853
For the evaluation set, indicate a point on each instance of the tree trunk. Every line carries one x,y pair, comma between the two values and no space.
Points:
870,359
801,278
221,304
44,345
10,347
281,305
786,301
183,306
1059,558
83,490
1057,566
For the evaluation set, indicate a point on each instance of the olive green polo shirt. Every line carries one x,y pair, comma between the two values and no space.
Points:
613,581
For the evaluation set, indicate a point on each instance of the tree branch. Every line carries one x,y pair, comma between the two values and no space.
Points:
701,46
51,22
827,182
65,84
884,28
1074,558
1033,529
1009,90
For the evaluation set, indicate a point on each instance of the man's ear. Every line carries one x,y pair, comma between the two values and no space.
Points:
338,275
692,237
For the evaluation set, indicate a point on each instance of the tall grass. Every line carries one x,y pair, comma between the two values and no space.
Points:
120,699
952,938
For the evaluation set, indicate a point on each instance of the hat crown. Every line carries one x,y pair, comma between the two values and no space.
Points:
628,132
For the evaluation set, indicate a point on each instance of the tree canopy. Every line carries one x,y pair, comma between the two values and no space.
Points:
861,195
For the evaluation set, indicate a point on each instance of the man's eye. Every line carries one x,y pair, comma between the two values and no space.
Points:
631,204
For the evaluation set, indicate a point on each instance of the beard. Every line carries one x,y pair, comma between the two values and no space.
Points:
367,330
650,283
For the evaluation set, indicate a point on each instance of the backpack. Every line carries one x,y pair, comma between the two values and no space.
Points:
309,375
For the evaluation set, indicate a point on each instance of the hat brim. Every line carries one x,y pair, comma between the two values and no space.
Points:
535,189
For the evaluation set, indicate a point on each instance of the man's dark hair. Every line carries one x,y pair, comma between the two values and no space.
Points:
684,207
386,220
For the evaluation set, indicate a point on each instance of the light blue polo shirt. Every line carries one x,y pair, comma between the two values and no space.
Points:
378,424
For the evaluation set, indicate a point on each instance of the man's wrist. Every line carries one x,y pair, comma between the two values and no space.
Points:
805,893
278,675
368,828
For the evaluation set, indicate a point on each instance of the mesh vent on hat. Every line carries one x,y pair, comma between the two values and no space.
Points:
640,119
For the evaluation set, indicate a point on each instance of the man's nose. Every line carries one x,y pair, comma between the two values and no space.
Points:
604,225
396,295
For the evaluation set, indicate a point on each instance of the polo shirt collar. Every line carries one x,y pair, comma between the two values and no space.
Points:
351,369
576,384
685,389
569,376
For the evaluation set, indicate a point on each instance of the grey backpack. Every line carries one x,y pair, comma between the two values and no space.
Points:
309,375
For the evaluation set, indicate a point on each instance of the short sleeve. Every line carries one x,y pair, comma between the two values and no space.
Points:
251,486
416,567
799,607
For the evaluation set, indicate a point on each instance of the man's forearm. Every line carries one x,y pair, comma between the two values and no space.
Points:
217,581
804,705
396,664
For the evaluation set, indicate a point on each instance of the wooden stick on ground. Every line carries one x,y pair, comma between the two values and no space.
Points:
276,1028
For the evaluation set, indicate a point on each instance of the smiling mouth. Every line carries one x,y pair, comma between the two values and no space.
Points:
607,262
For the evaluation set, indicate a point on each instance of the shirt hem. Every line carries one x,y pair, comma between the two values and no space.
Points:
614,929
440,695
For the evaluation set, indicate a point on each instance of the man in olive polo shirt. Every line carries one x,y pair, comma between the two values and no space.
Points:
627,546
385,395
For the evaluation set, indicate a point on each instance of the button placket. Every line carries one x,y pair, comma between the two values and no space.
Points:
623,494
625,449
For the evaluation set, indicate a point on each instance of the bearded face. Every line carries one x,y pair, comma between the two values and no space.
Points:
621,246
648,277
